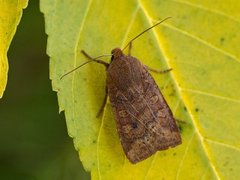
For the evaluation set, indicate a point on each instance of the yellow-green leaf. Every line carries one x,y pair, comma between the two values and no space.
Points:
10,15
200,43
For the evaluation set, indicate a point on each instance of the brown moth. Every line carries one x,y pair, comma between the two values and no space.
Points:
145,123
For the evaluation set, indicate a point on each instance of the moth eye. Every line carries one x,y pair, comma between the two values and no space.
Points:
112,58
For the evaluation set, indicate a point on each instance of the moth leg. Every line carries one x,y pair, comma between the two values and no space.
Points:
130,48
103,104
86,55
159,71
94,59
179,121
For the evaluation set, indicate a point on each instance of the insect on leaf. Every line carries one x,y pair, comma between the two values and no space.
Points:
200,43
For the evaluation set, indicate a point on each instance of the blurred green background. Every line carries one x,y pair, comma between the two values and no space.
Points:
34,143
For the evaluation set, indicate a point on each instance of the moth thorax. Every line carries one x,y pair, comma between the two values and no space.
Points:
116,53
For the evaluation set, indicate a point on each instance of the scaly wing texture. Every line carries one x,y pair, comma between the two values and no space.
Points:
144,121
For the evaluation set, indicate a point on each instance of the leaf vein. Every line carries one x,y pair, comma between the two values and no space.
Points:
184,155
130,25
223,144
210,94
207,9
204,42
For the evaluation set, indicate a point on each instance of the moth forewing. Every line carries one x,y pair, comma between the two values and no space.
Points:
144,120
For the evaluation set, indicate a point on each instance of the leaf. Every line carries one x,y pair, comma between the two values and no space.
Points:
200,43
10,13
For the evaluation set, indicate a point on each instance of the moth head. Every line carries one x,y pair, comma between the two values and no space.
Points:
116,53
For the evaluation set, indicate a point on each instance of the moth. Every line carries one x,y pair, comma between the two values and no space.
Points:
145,122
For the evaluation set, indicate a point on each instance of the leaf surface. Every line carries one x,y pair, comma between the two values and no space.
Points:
200,43
10,15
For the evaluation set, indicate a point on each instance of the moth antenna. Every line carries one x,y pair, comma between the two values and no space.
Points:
145,31
75,69
91,60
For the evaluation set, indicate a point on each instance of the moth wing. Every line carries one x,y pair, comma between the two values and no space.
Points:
144,121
